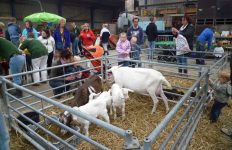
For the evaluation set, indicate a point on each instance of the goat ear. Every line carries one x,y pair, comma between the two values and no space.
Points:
125,90
90,90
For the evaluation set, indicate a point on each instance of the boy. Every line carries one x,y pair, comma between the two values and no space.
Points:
221,95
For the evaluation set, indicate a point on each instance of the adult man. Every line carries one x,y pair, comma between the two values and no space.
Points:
151,32
74,34
205,36
9,52
13,32
135,30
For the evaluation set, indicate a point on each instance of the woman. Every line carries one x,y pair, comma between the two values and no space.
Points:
48,41
86,36
66,57
182,50
187,30
29,29
39,56
62,37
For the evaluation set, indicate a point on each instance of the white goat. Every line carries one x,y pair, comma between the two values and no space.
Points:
143,81
95,108
119,96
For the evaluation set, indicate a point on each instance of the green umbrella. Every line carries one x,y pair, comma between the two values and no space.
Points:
43,17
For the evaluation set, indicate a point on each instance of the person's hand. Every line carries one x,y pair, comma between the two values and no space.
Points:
79,75
88,35
70,78
175,30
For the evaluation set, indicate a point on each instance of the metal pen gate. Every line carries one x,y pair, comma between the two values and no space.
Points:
42,101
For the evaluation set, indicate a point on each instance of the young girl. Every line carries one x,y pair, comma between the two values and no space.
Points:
123,48
221,95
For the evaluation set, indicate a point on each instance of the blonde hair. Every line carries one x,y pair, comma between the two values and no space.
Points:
123,34
225,75
133,39
62,19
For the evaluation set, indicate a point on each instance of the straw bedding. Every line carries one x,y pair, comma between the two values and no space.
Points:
141,122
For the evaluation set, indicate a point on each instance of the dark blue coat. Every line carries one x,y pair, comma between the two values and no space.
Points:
61,45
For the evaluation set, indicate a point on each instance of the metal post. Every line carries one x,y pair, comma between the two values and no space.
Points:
12,6
4,105
92,17
199,74
106,67
206,84
146,144
131,142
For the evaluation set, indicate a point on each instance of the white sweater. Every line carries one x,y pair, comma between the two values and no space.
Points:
182,46
48,43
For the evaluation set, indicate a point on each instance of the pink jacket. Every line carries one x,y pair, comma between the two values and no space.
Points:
123,49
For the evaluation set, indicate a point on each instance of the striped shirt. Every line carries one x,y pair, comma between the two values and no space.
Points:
182,46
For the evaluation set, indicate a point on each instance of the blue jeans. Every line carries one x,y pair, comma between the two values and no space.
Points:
75,48
4,134
151,45
200,56
124,63
182,60
15,41
16,66
135,55
57,83
216,110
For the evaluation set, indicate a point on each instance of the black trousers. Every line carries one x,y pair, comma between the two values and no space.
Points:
49,61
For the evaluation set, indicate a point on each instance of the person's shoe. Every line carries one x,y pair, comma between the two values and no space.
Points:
18,93
227,132
44,82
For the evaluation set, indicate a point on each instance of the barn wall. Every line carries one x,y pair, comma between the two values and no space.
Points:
78,14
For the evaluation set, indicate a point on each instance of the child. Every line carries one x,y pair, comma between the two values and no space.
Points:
221,95
218,51
123,48
135,51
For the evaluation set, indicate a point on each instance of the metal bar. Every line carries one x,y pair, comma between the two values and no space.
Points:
53,67
66,127
44,129
192,131
184,127
103,124
165,142
215,64
160,64
5,103
28,138
192,123
29,129
153,135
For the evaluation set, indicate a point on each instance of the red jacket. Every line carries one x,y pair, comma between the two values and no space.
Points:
87,41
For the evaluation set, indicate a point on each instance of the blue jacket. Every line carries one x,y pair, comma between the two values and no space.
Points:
34,31
58,39
137,32
13,31
206,36
135,52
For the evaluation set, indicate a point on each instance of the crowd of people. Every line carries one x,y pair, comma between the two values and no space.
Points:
48,48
